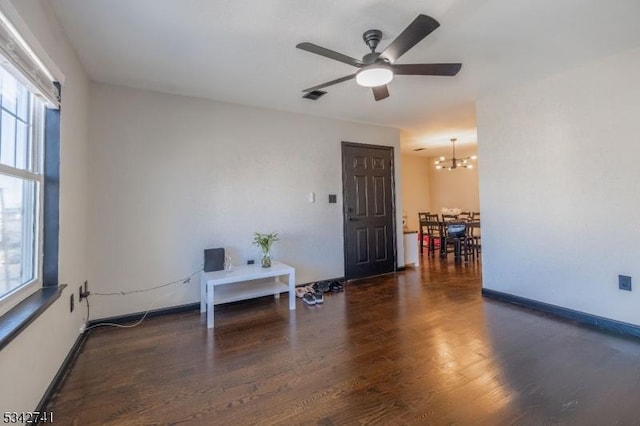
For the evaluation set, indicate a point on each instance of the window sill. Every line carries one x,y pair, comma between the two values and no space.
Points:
24,313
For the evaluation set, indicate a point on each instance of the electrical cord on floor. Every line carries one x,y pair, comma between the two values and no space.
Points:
183,281
88,309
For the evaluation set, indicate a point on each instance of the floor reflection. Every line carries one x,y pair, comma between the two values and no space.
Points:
563,372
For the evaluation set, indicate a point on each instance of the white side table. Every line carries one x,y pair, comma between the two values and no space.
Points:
245,282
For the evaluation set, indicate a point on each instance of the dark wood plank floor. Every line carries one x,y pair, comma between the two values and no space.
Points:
420,347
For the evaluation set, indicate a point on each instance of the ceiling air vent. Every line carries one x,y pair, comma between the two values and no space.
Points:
314,95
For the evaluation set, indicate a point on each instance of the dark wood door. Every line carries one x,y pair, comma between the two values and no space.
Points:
369,231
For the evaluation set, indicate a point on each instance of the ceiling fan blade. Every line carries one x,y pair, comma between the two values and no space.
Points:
330,83
427,69
380,92
421,27
327,53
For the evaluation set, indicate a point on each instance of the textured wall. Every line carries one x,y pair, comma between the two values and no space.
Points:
558,187
173,175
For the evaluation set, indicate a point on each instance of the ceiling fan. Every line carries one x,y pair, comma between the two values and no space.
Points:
378,68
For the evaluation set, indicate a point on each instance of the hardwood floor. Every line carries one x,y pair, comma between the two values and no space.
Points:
419,347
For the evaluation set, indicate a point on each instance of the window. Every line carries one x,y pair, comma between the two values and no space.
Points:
21,182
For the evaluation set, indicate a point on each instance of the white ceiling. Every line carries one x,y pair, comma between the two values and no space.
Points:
243,51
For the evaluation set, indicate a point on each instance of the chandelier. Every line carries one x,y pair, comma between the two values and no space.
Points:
453,163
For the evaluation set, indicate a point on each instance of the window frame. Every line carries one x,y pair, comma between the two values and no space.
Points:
29,62
34,173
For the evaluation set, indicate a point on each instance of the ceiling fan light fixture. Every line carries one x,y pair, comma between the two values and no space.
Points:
374,75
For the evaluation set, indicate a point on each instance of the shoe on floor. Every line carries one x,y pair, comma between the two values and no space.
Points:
301,291
319,297
309,299
321,286
335,287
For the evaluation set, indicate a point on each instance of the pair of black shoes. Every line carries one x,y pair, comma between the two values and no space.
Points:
328,286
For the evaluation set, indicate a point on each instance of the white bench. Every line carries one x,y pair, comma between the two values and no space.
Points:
245,282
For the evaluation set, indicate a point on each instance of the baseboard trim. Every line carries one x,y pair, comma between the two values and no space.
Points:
401,268
62,372
578,316
123,319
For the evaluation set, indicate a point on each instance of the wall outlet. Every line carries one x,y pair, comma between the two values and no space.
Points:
84,292
71,303
624,282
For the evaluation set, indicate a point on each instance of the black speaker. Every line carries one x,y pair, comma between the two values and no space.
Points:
214,259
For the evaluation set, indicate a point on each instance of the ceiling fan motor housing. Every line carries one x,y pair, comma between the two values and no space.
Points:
372,38
370,58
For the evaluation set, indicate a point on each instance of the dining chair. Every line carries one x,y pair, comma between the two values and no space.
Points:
445,247
422,227
435,233
476,236
473,239
455,240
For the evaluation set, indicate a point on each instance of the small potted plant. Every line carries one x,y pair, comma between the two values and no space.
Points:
265,241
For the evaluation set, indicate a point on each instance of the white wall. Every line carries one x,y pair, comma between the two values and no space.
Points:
173,175
558,188
415,187
30,361
454,188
